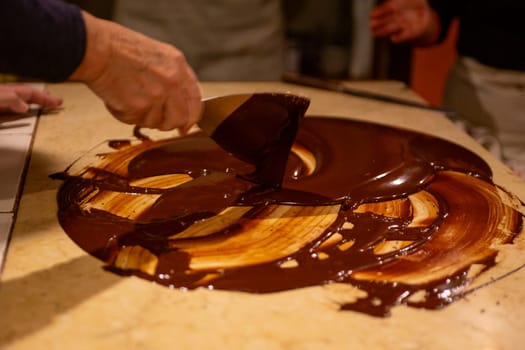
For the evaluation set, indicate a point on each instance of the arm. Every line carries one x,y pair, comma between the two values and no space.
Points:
142,81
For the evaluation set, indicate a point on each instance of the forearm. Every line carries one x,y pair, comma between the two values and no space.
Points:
141,80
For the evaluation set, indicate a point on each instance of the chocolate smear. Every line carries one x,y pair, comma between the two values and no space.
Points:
400,215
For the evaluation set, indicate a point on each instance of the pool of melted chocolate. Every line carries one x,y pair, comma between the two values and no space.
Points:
400,215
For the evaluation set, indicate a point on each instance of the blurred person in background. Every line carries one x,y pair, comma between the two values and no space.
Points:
222,40
486,84
255,40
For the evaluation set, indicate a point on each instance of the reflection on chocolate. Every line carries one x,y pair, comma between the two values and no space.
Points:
400,215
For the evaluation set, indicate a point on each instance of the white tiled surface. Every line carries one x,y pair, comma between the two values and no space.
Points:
6,220
15,125
14,150
16,133
15,141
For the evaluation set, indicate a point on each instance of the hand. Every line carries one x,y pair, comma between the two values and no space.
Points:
142,81
17,97
405,20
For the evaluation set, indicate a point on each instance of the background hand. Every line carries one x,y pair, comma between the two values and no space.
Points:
17,98
405,20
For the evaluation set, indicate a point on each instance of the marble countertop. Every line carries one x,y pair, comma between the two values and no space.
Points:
54,295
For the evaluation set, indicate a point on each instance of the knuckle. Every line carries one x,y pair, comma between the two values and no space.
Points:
176,71
172,79
179,56
139,106
156,92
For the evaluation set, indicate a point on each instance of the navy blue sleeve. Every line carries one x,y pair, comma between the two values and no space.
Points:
41,39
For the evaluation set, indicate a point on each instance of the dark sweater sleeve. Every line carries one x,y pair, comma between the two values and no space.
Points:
492,32
446,10
42,39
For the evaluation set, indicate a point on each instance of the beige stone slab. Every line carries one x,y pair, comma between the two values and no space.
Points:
55,296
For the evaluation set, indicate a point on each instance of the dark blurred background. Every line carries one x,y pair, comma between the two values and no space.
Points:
330,39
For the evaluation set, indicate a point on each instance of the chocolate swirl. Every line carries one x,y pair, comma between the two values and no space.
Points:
400,215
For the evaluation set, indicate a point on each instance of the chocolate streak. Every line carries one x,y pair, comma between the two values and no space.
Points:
366,174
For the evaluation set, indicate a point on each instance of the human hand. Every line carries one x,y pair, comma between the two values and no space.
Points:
17,97
405,20
142,81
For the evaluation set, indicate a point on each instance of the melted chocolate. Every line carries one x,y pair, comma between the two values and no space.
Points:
360,180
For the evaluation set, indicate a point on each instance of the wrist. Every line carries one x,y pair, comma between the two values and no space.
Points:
433,33
97,52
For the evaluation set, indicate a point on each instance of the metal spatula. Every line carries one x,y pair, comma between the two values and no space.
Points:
258,128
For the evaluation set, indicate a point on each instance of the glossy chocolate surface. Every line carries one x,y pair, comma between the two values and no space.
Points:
400,215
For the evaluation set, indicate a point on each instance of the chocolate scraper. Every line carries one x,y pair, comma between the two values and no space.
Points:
257,128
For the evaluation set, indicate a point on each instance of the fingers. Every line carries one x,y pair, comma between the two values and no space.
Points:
182,110
403,32
160,97
182,107
13,103
43,99
9,99
17,97
401,20
399,29
17,106
385,28
384,19
384,9
193,101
